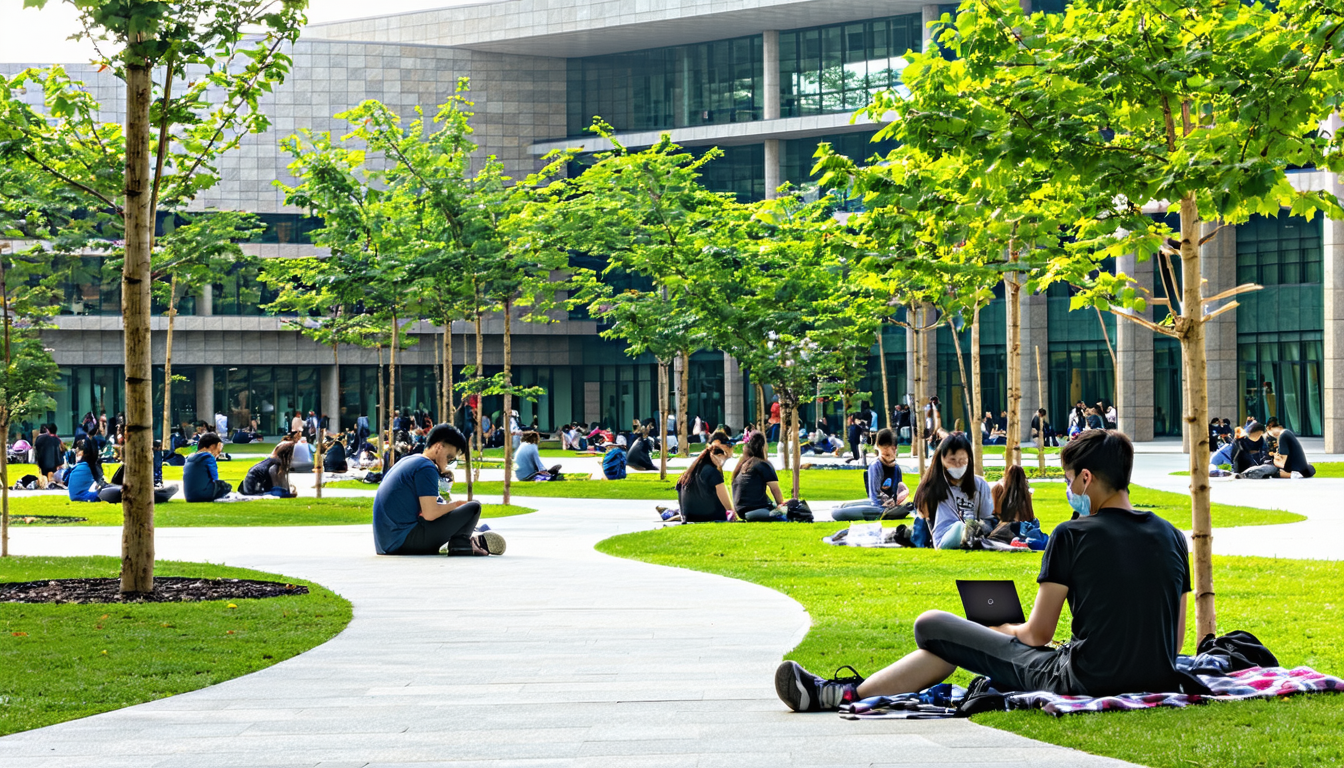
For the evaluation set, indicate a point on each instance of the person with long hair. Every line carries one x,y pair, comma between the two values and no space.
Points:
1012,505
270,476
951,495
1248,450
1125,574
753,478
701,491
886,493
640,455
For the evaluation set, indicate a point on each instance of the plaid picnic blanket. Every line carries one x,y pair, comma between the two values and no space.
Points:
1253,683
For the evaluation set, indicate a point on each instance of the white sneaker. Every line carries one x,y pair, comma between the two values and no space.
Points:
1297,475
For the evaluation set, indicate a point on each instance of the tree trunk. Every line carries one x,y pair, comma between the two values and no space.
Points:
480,399
382,410
664,402
392,394
439,406
965,385
168,368
683,405
506,415
1012,453
886,390
1040,430
137,498
4,423
796,449
784,434
760,408
1197,416
449,410
977,404
917,425
1115,364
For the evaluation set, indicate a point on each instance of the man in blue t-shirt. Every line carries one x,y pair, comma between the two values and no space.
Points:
409,518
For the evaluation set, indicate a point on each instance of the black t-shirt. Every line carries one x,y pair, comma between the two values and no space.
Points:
1126,572
48,450
699,502
891,479
334,460
750,489
1296,458
1247,453
258,479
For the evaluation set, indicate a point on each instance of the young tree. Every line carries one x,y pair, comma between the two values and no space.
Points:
1202,104
171,143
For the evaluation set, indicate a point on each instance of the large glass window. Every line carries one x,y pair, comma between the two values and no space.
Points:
701,84
267,394
1281,250
838,68
741,171
798,153
241,292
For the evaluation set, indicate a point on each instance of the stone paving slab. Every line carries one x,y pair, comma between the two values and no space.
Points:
551,656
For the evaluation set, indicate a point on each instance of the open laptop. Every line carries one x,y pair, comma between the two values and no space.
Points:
990,603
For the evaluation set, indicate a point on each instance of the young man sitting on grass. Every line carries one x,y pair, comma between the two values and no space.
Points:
200,475
409,518
1125,574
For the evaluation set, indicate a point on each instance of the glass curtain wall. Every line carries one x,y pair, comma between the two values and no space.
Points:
837,68
1080,364
1280,328
993,368
686,85
267,394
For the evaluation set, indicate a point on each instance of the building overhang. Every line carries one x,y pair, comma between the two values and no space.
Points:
731,134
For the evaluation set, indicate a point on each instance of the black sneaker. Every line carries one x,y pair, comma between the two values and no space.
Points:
803,691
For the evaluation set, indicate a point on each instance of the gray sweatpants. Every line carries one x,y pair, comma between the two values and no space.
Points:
1010,663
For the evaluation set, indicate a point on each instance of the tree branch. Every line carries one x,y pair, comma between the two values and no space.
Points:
1229,293
72,182
1146,323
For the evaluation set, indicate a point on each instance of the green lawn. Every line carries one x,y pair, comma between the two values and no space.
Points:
998,450
863,603
267,512
229,471
62,662
1324,469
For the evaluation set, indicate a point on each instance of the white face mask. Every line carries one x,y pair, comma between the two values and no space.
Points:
956,472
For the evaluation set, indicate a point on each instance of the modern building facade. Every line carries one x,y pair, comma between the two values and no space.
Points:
765,81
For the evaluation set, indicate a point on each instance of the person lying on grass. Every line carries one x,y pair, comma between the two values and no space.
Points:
886,492
409,518
1125,574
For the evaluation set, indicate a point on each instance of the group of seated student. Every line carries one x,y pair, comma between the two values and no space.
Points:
527,464
886,493
993,432
409,517
1252,454
1220,432
1125,574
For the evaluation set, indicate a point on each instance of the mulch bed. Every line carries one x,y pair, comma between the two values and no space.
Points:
173,589
45,519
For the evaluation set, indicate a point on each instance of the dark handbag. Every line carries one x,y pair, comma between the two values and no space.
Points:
1242,649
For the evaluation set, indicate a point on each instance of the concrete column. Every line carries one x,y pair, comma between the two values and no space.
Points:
592,402
1134,355
734,407
1333,374
772,168
205,303
331,394
928,15
1219,269
1035,333
205,393
770,73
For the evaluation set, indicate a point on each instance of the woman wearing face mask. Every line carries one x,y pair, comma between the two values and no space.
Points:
703,495
951,495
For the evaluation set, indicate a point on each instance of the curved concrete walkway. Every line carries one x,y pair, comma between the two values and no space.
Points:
551,656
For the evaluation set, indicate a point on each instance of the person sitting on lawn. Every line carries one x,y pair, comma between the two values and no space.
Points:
527,464
701,491
755,482
1125,574
86,477
1289,456
334,459
641,453
1013,509
200,473
951,495
613,462
1248,450
270,476
886,493
409,518
1223,456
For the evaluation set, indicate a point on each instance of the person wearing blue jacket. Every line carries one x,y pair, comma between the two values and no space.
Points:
200,475
886,493
86,477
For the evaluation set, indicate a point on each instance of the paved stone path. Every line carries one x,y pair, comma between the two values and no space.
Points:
553,656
